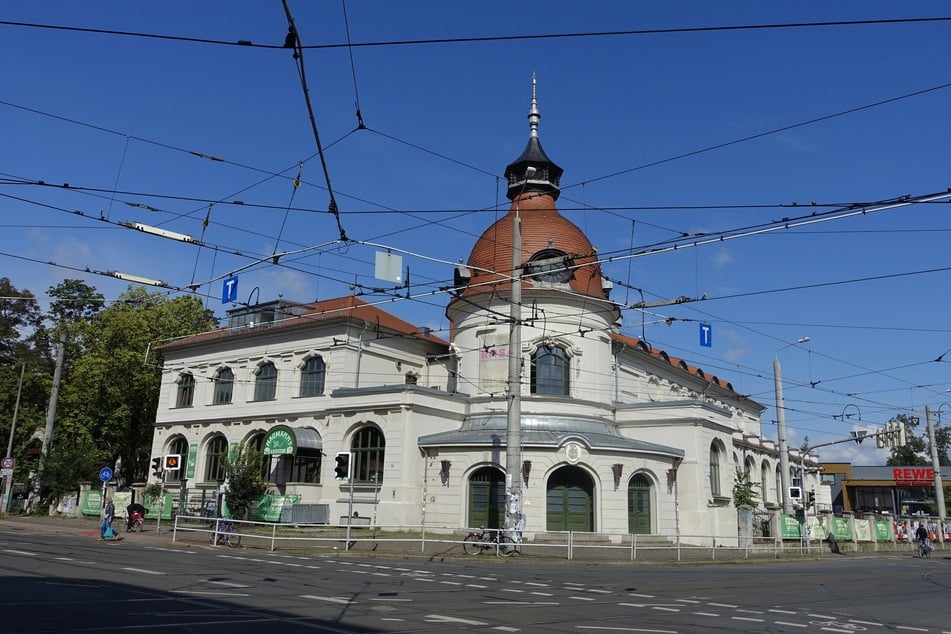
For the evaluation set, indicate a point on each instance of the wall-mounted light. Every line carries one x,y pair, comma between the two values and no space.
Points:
617,469
526,470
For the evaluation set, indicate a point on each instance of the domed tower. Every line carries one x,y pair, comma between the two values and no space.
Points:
563,295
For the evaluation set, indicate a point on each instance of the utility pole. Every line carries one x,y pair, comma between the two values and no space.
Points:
513,430
936,467
781,429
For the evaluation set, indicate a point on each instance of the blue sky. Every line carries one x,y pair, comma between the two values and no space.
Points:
126,120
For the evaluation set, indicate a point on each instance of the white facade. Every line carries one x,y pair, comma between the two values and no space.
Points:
616,437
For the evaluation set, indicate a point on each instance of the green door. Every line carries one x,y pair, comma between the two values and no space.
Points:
570,501
639,505
486,498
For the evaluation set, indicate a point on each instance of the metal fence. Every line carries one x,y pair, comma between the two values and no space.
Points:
443,541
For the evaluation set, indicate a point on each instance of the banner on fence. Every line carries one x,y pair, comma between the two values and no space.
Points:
270,507
789,527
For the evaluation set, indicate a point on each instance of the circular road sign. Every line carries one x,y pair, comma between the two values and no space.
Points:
7,463
105,474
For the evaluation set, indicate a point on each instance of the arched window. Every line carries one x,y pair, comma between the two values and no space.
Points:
224,386
265,386
186,390
312,377
764,481
715,456
779,484
178,446
550,371
369,452
215,455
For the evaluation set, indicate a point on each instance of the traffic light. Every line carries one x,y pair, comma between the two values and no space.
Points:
173,462
342,466
810,498
157,467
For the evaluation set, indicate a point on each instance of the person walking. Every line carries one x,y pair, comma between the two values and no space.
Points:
108,514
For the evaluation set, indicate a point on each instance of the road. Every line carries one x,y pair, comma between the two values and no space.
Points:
74,583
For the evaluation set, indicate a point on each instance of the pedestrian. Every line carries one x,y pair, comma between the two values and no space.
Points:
108,514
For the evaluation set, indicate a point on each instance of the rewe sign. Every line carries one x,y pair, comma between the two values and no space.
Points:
913,476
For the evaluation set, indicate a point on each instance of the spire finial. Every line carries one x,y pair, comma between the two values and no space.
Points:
533,114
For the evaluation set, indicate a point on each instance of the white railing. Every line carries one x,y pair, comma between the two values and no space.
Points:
445,540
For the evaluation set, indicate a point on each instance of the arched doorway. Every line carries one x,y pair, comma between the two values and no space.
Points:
570,500
639,505
487,498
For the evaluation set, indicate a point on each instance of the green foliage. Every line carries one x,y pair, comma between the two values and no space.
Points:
246,483
744,489
917,450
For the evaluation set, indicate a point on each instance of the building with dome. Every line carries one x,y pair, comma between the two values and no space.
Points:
609,435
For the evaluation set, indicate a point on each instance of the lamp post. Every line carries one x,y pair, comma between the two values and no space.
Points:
781,428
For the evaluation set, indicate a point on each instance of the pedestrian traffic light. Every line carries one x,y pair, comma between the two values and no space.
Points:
157,467
342,466
173,462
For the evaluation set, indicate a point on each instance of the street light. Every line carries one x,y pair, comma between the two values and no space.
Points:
781,428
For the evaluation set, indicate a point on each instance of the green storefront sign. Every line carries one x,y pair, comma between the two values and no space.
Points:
280,441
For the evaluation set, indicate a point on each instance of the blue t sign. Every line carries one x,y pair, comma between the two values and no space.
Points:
706,335
229,290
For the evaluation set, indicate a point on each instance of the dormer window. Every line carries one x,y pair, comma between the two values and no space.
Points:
549,265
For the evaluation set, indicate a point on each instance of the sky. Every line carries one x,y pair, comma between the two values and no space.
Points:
769,149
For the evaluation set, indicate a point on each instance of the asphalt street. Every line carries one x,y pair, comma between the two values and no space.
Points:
68,581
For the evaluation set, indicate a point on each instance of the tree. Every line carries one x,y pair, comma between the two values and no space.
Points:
744,489
246,483
112,393
917,449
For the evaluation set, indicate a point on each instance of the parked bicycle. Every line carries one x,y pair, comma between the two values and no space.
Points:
223,531
477,542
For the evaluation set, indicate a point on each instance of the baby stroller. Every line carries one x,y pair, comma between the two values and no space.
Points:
137,521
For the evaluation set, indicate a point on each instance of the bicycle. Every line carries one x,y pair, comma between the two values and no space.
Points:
924,548
477,542
223,531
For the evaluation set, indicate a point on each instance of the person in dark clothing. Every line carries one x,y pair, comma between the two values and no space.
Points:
131,510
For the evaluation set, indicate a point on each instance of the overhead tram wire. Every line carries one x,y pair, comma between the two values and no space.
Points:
759,135
293,41
494,38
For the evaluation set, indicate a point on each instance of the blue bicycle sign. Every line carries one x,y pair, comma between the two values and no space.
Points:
105,474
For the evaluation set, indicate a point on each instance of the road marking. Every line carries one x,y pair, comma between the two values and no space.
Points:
623,629
526,603
665,609
782,611
503,628
583,598
228,584
722,605
643,596
913,629
343,600
791,624
211,594
705,613
144,571
687,601
746,618
476,585
439,618
20,552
